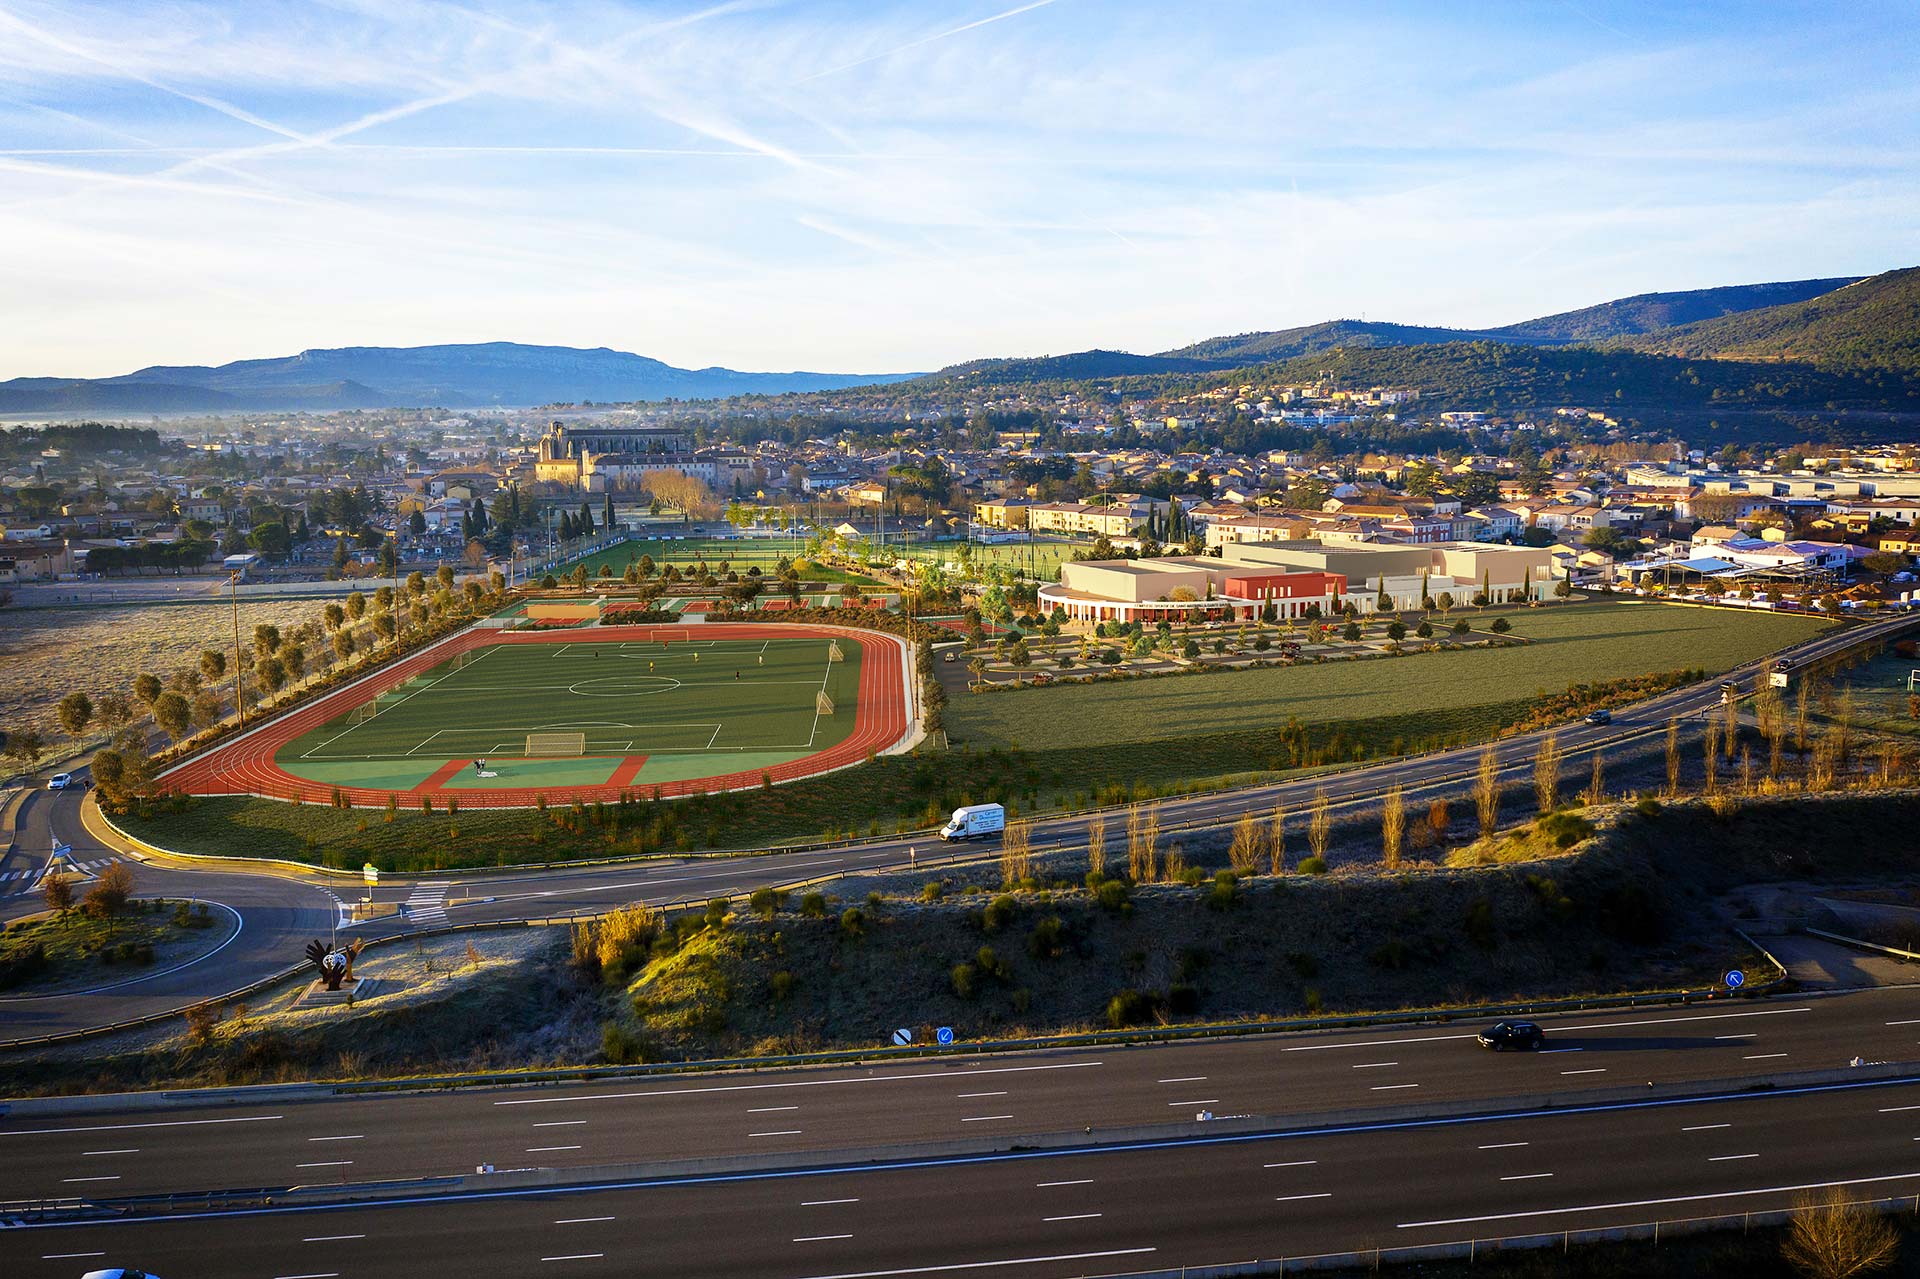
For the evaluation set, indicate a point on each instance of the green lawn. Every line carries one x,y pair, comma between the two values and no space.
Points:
1576,643
740,554
718,701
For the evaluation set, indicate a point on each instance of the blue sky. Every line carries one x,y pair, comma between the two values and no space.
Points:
883,187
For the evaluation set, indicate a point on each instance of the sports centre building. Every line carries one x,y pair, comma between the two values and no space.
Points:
1294,577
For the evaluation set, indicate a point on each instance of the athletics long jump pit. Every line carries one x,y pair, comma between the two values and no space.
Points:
500,719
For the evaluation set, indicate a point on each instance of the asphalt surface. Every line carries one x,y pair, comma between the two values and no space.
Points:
282,912
1151,1206
625,1121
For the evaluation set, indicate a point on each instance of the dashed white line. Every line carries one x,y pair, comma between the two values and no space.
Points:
1751,1034
331,1163
1504,1145
358,1136
1705,1127
1761,1056
167,1123
132,1151
1391,1087
559,1123
784,1132
805,1083
1186,1079
576,1256
1374,1065
1910,1021
820,1238
579,1221
541,1150
322,1274
963,1095
1527,1176
1590,1070
823,1203
1297,1163
765,1110
1084,1181
1077,1216
63,1256
1721,1159
981,1119
1324,1194
329,1238
1204,1101
75,1180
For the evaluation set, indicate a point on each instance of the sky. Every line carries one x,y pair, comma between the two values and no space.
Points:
870,187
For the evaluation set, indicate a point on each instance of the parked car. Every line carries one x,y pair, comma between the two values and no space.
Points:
1600,717
1503,1035
60,781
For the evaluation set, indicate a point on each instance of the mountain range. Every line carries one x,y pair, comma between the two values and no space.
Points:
1840,339
480,375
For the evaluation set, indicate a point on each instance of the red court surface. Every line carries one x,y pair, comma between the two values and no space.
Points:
245,765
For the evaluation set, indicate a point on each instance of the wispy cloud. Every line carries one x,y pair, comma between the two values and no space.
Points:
926,40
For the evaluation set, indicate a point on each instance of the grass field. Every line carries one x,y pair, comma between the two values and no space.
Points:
1037,560
728,704
1573,643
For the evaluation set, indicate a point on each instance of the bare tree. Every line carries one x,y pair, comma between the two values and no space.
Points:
1244,854
1597,784
1486,792
1673,758
1097,844
1833,1239
1277,839
1731,731
1438,819
1393,825
1016,856
1320,825
57,892
1546,773
1150,837
1710,757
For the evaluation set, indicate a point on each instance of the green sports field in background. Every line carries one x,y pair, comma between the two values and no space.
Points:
693,707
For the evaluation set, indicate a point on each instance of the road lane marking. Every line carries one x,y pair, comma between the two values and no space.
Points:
169,1123
576,1256
981,1119
1297,1163
1078,1216
63,1256
1377,1043
1590,1070
1527,1176
1705,1127
1374,1065
1548,1052
1204,1101
331,1163
963,1095
323,1274
130,1151
329,1238
1721,1159
1390,1087
1911,1021
75,1180
1660,1203
1663,1021
820,1238
757,1110
1186,1079
1504,1145
1762,1056
359,1136
946,1075
784,1132
559,1123
1084,1181
1751,1034
541,1150
579,1221
1287,1199
823,1203
987,1265
1890,1110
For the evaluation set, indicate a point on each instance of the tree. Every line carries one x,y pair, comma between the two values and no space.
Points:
1546,773
1393,825
1831,1238
417,523
108,768
111,891
1320,826
417,582
213,664
146,687
356,606
115,712
174,714
442,575
57,892
266,639
75,712
1486,792
1248,847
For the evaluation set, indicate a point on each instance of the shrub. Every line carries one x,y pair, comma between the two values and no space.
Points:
814,906
1224,892
853,923
933,890
1046,941
1112,895
780,986
1501,626
1562,830
1392,954
766,902
1461,627
999,912
618,1044
1313,866
1129,1008
22,965
963,976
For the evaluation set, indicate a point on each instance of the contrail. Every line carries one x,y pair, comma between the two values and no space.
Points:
914,44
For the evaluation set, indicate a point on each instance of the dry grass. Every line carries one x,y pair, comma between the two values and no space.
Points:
47,653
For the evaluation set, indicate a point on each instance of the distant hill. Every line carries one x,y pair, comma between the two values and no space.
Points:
1645,312
1081,364
1871,324
1626,316
488,374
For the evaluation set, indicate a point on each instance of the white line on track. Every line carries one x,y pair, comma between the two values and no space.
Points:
1203,1101
1721,1159
322,1274
757,1110
63,1256
1663,1021
1590,1070
999,1264
134,1150
1391,1087
1761,1056
359,1136
963,1095
576,1256
784,1132
1186,1079
559,1123
74,1180
541,1150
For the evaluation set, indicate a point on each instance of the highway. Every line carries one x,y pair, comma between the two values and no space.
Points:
1152,1205
282,910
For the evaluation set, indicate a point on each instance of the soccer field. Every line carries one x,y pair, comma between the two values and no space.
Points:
683,696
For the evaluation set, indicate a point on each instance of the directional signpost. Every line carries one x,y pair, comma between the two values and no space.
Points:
1735,979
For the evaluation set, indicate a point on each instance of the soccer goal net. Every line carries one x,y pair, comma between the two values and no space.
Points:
556,744
822,703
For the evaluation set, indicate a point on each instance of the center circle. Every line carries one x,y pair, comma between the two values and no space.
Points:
624,686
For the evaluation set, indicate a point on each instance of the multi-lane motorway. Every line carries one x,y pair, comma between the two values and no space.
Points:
283,909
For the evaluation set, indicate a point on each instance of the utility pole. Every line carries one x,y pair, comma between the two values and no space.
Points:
233,594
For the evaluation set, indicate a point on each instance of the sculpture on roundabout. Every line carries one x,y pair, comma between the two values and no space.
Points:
335,966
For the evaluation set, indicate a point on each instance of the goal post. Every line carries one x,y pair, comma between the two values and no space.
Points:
822,704
556,744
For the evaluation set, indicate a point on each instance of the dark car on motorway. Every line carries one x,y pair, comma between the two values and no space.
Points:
1600,717
1503,1035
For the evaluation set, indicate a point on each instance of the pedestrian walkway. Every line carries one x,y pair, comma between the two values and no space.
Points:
26,879
427,906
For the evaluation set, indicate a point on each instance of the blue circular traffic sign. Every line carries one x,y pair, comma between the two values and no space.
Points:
944,1035
1735,979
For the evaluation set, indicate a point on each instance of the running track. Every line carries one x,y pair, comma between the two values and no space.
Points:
245,765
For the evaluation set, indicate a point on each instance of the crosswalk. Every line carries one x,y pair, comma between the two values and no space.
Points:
22,879
427,906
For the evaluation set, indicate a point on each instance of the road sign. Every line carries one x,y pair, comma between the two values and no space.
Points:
1735,979
944,1035
1778,679
370,873
902,1037
63,850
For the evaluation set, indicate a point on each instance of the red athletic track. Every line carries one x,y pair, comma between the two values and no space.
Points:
246,766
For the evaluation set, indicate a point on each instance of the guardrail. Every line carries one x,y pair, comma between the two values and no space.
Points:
1895,951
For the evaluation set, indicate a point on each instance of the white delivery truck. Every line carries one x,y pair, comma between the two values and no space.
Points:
975,821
